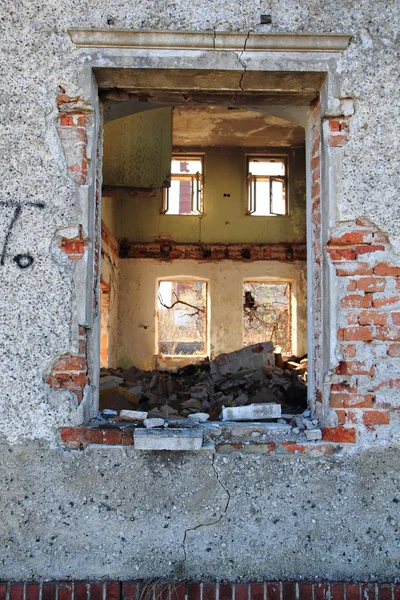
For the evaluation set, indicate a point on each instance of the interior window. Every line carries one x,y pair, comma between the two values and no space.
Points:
266,177
185,194
182,318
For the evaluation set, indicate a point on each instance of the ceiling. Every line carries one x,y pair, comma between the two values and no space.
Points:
221,126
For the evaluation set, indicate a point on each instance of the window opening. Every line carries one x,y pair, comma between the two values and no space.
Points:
182,318
184,196
104,323
266,177
267,314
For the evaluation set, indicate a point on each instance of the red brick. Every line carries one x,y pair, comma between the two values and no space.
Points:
337,254
355,368
371,284
384,591
225,591
305,591
356,301
288,590
344,269
370,317
3,591
113,590
396,318
320,591
98,435
49,591
241,591
178,591
387,270
352,591
396,592
64,591
337,140
96,591
387,334
339,434
257,591
359,401
368,591
80,590
161,591
386,301
337,591
375,417
356,334
368,249
16,591
351,237
193,591
209,591
273,591
32,591
336,400
394,350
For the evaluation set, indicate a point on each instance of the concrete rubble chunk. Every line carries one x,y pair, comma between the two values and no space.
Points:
133,415
168,439
253,412
256,356
199,417
313,435
150,423
110,381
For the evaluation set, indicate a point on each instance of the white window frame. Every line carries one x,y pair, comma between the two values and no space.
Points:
197,180
253,179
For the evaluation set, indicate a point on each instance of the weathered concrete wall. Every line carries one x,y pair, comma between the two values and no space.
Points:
112,512
224,219
138,283
42,305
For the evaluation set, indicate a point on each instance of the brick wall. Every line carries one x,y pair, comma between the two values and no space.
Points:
365,386
70,371
125,590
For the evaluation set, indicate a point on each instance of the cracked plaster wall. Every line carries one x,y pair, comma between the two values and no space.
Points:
40,481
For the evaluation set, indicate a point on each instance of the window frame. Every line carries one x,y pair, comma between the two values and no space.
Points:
251,180
198,198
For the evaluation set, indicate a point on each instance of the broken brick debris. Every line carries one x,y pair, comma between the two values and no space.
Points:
241,385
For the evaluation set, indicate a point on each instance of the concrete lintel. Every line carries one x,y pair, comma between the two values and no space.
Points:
193,40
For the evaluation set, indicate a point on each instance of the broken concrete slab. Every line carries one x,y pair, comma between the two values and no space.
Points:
251,357
133,415
150,423
168,439
253,412
313,435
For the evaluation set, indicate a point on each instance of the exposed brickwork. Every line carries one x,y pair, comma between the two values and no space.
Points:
368,335
109,243
72,125
137,590
169,250
316,245
74,247
70,371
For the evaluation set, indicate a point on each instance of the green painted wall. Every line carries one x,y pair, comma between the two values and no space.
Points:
224,219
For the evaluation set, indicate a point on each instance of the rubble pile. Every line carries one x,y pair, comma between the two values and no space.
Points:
211,390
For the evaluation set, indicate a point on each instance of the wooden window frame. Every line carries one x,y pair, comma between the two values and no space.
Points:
253,179
195,178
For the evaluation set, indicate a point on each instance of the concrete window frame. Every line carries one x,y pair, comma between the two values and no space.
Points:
233,62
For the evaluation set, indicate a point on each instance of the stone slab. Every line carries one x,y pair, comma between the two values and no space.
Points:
168,439
253,412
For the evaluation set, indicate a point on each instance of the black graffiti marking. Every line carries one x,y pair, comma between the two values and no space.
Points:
22,260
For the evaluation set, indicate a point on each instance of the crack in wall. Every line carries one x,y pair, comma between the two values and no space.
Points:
214,522
243,64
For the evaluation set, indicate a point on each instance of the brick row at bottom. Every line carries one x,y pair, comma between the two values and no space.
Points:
167,590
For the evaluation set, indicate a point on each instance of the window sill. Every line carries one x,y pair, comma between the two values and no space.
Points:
223,438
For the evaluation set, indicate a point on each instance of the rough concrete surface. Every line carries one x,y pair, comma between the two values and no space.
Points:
110,512
123,513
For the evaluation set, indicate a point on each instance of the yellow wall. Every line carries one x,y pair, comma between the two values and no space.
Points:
224,219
